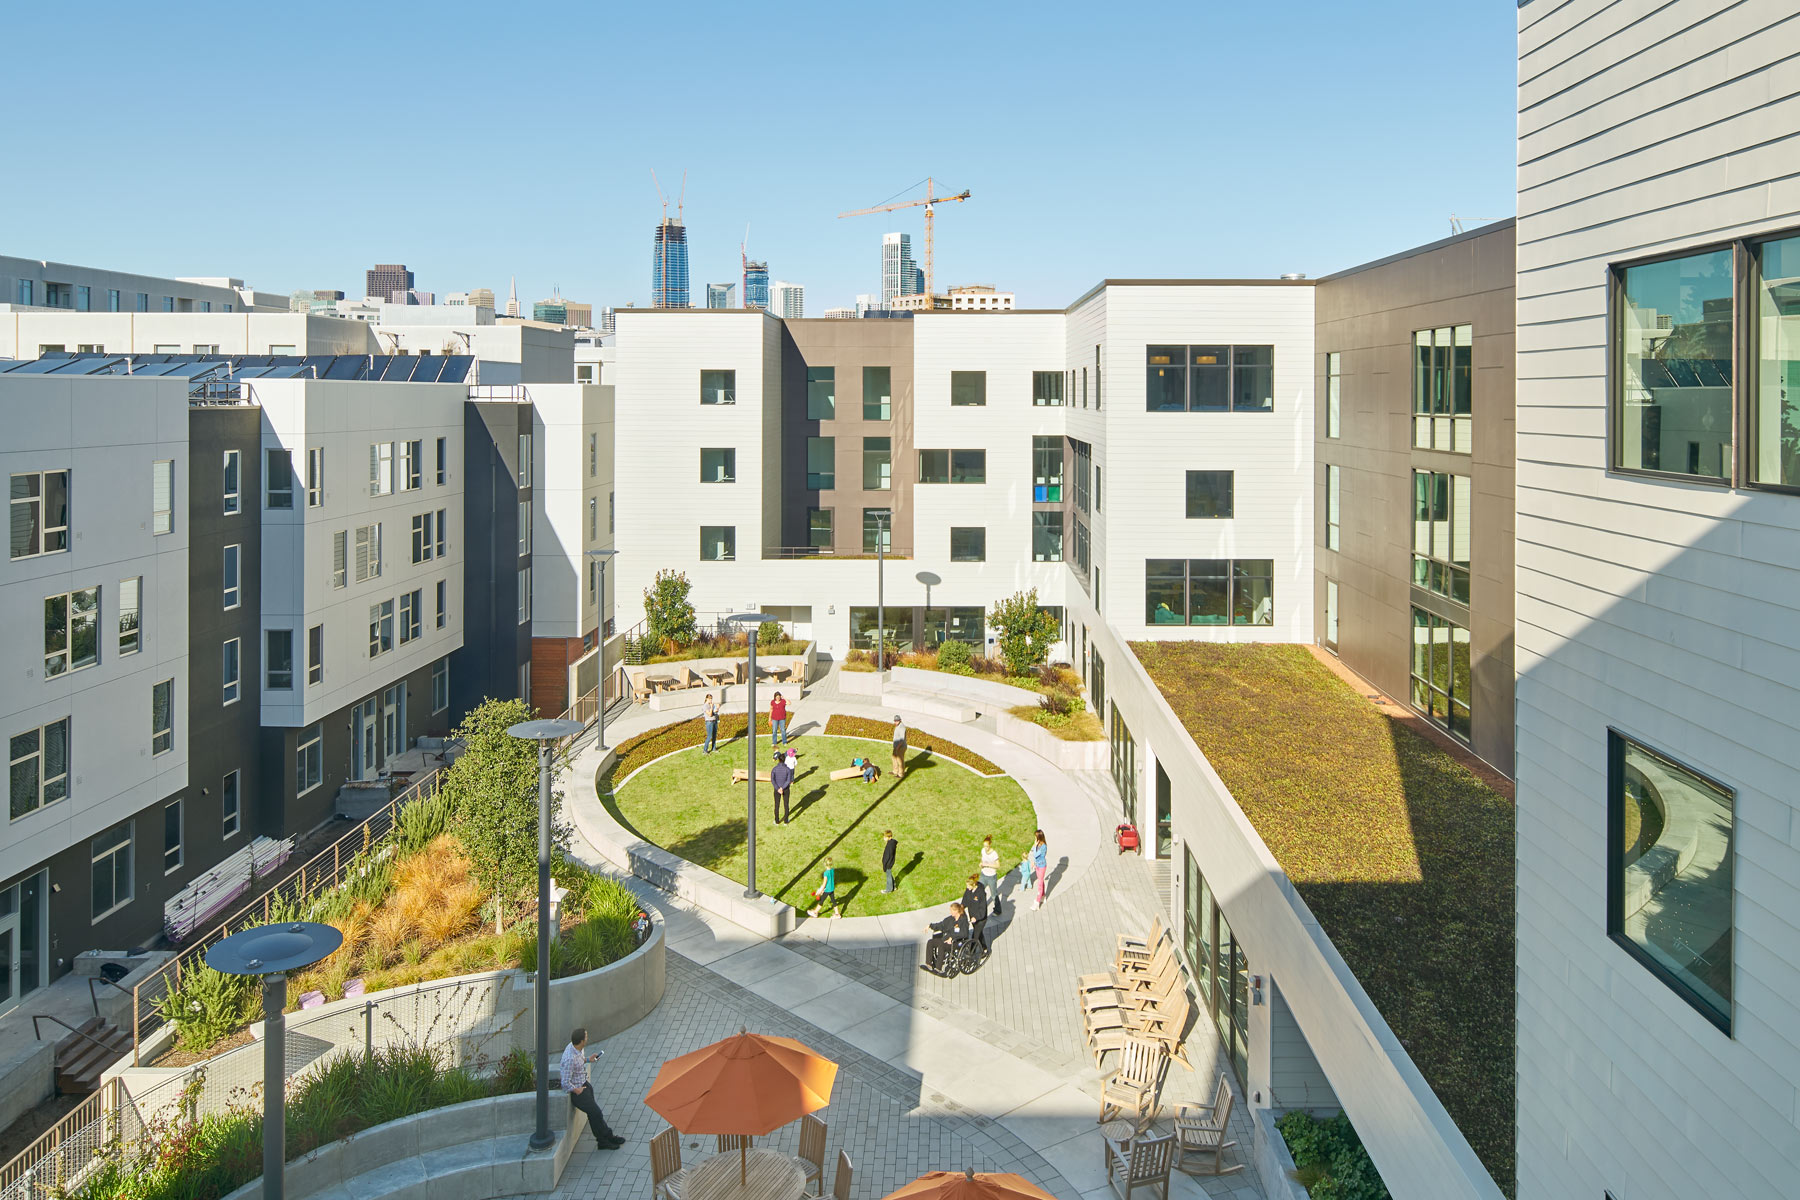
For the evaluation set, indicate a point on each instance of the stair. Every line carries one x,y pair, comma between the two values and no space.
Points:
80,1062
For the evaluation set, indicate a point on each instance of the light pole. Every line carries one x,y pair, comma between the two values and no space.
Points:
929,580
271,951
755,620
544,732
600,699
880,595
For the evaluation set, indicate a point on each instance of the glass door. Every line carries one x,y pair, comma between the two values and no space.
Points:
393,720
364,743
1165,840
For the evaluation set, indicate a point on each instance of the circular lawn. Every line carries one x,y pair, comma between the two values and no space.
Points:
687,804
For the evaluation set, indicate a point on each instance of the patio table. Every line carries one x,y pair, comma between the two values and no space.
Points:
768,1175
664,682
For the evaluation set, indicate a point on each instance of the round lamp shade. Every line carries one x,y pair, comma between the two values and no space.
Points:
928,578
750,618
546,730
274,949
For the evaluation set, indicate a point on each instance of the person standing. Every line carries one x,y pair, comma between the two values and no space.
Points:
990,868
709,712
889,849
778,721
827,893
899,747
781,778
1040,866
975,906
575,1062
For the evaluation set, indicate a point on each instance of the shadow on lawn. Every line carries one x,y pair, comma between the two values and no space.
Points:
713,845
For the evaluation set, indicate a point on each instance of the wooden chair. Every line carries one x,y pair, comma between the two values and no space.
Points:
1145,945
666,1171
1123,977
731,1141
846,1175
1136,1086
1144,1162
1158,993
1166,1027
811,1158
1200,1132
640,687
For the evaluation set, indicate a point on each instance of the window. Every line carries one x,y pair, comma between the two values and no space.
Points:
110,854
1440,671
233,469
167,348
968,625
230,805
171,837
84,297
315,476
162,496
162,717
280,349
440,685
381,628
821,393
718,387
952,466
525,460
229,579
443,603
309,759
40,513
898,631
130,619
1210,495
441,532
339,558
423,543
168,304
1209,591
968,389
877,393
1210,379
1046,536
25,292
821,463
968,544
878,530
279,479
1442,378
1334,505
612,512
412,466
1775,390
1081,548
1084,387
40,767
1096,379
278,660
1441,534
593,584
443,461
1098,490
524,594
878,464
412,614
1334,391
91,347
718,543
143,302
1669,873
584,373
1047,389
818,528
718,465
1084,460
71,631
381,469
1046,470
593,455
1331,614
230,671
524,527
368,552
315,655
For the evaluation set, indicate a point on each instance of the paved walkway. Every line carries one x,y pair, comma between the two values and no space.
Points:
986,1071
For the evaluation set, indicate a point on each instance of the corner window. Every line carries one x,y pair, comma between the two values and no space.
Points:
1334,390
1775,396
821,393
877,402
877,463
230,577
1669,876
71,631
1441,505
162,496
1209,379
821,463
315,655
278,660
278,479
1209,591
1443,387
40,513
39,774
968,544
968,389
718,543
230,805
1210,495
718,387
110,854
1333,507
1047,536
1047,389
162,717
878,530
230,671
233,492
718,465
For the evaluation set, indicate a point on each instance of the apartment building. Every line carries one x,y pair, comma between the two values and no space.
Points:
33,283
571,542
1658,881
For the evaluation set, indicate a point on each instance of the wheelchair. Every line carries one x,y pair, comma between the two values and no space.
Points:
950,957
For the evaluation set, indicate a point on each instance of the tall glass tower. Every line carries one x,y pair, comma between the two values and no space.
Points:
669,266
756,285
898,275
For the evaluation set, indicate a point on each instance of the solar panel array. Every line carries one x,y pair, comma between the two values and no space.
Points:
384,368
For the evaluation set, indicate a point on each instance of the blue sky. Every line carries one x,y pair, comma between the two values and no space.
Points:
475,142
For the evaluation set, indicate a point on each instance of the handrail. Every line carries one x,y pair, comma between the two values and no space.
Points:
95,996
38,1034
797,552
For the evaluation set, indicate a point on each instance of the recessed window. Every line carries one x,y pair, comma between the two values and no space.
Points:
821,393
1047,537
821,463
278,479
1669,885
162,717
524,527
818,528
230,671
1047,389
381,628
172,837
524,460
878,530
1209,495
230,805
230,578
1209,591
278,661
524,594
315,476
718,543
39,767
368,552
440,685
878,387
381,469
162,496
968,389
1210,378
1440,671
71,631
968,544
952,466
309,759
315,655
1775,396
877,463
110,854
1046,470
1334,390
1334,506
40,513
718,387
443,461
1443,388
718,465
233,482
1441,505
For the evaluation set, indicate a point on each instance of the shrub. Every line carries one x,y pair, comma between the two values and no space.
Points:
208,1005
1026,631
518,1073
1330,1155
1060,703
419,823
668,613
769,633
956,658
493,792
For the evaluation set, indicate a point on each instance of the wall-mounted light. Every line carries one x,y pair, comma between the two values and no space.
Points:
1256,996
831,610
56,889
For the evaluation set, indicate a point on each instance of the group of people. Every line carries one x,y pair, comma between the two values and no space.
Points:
966,923
778,722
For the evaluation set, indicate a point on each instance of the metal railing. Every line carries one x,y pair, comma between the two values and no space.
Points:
770,553
99,980
512,393
67,1148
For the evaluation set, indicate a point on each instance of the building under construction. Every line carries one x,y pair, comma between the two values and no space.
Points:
669,267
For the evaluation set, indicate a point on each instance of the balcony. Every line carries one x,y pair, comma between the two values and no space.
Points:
807,552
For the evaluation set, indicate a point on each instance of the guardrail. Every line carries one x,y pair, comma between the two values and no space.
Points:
774,553
67,1148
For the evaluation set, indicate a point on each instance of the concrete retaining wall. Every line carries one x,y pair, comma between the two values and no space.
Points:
984,694
1070,756
1270,1159
26,1080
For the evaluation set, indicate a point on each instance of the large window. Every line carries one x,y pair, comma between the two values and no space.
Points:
1081,548
162,717
234,500
967,625
309,759
899,634
1443,385
131,622
111,857
1209,591
968,544
1334,394
878,530
1669,890
818,528
231,577
1047,389
231,671
821,393
878,393
717,465
1046,536
718,543
1122,749
1440,671
1441,533
1210,495
278,479
952,466
71,631
968,389
821,463
40,513
718,387
1333,505
39,773
381,628
877,464
1221,969
1676,330
1046,470
1084,465
1775,400
278,660
1210,378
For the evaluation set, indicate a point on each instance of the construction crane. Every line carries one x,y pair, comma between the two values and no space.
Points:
929,203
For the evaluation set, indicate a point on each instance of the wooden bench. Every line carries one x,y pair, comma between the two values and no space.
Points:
740,775
847,773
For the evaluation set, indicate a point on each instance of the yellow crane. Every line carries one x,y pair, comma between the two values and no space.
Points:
929,203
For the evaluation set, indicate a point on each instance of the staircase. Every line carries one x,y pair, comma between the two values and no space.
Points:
81,1058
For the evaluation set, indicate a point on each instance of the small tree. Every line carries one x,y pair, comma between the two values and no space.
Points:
1026,632
668,613
493,791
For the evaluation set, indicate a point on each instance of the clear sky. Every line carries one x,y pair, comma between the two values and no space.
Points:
296,145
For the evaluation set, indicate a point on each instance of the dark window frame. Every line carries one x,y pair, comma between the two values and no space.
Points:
966,530
1230,512
1230,367
975,379
730,538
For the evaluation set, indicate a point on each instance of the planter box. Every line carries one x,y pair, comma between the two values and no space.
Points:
982,693
1070,756
859,683
1270,1159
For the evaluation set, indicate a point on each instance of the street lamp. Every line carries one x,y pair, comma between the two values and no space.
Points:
271,951
755,620
600,699
880,595
544,732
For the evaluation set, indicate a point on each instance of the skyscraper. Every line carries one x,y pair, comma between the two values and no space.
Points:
512,298
787,299
553,310
481,298
669,265
918,283
721,295
384,279
898,275
756,284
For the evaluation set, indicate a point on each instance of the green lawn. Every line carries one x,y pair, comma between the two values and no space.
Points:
687,803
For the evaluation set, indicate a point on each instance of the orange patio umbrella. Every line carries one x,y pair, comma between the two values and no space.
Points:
747,1084
967,1185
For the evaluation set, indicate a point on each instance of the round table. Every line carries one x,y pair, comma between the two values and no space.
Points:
1115,1133
768,1175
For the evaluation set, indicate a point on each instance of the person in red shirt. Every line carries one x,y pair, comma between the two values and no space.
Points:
778,721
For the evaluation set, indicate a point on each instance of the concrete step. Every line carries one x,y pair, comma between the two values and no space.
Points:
81,1058
907,700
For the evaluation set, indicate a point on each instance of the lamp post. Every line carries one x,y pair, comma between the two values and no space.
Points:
544,732
271,951
880,595
755,620
600,700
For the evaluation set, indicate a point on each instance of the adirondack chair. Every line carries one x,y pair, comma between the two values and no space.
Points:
1136,1086
1142,958
1144,1162
1156,994
731,1141
666,1171
1125,976
1200,1133
1166,1027
1129,944
811,1158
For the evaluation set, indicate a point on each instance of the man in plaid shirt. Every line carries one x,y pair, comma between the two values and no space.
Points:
581,1092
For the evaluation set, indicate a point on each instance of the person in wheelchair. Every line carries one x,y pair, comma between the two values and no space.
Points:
949,938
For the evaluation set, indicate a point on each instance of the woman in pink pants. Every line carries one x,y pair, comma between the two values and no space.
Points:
1040,865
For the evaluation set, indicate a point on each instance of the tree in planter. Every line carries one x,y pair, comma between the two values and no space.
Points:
493,793
1026,632
668,613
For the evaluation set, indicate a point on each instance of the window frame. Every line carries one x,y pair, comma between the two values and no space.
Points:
883,408
1041,529
442,616
231,576
1334,394
40,755
274,459
41,525
309,758
1229,369
726,534
980,554
131,640
167,731
162,520
524,586
68,628
820,481
1040,394
315,476
525,463
1430,563
814,527
231,671
315,654
882,531
117,853
1334,506
876,457
1188,481
1231,571
410,472
270,682
231,483
412,618
443,461
381,628
727,387
819,406
179,849
440,686
968,379
231,805
727,459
